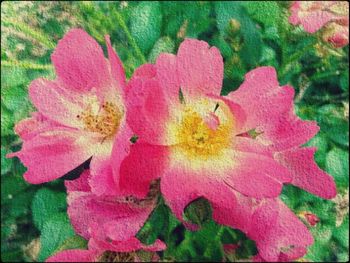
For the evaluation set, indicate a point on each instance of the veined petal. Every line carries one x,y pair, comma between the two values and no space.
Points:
80,63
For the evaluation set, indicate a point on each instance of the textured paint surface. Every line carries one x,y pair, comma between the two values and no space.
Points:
173,131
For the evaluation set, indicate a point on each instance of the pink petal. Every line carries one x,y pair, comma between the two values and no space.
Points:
307,175
167,75
288,237
232,209
117,70
117,220
290,131
257,175
271,111
180,185
74,255
52,154
147,110
261,97
314,21
294,18
144,163
105,165
102,178
133,244
237,111
30,127
104,217
56,103
199,68
80,184
80,63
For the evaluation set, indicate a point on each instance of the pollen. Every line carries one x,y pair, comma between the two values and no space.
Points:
198,139
106,121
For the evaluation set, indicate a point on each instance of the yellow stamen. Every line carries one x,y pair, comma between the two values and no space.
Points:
106,121
198,139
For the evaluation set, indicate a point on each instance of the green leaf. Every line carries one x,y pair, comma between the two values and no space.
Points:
146,24
11,185
6,163
332,122
229,12
13,76
154,225
320,141
20,203
266,12
337,164
6,121
199,211
164,44
54,232
344,81
185,19
46,203
73,242
14,97
341,233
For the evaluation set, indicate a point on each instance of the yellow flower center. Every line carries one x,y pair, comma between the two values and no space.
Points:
104,121
197,139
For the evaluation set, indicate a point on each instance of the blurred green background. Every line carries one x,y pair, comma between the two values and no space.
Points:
34,223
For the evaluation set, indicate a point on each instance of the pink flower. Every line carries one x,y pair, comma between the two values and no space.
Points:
333,16
81,114
236,151
109,223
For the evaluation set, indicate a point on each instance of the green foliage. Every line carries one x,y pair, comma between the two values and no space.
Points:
337,164
163,45
185,18
232,17
268,12
146,24
46,203
72,242
248,34
54,233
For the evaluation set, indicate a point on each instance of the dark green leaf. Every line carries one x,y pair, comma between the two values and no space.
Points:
54,232
337,164
46,203
72,242
164,44
146,24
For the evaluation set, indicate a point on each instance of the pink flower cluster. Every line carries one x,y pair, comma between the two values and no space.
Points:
332,16
237,151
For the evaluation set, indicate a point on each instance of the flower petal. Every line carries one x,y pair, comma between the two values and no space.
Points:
55,103
256,175
147,110
199,68
287,237
307,175
144,163
117,69
74,255
51,154
80,63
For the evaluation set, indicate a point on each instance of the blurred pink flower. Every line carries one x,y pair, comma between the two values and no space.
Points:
333,16
236,151
81,114
109,223
309,217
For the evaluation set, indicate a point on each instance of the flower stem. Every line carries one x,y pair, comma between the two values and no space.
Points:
129,36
